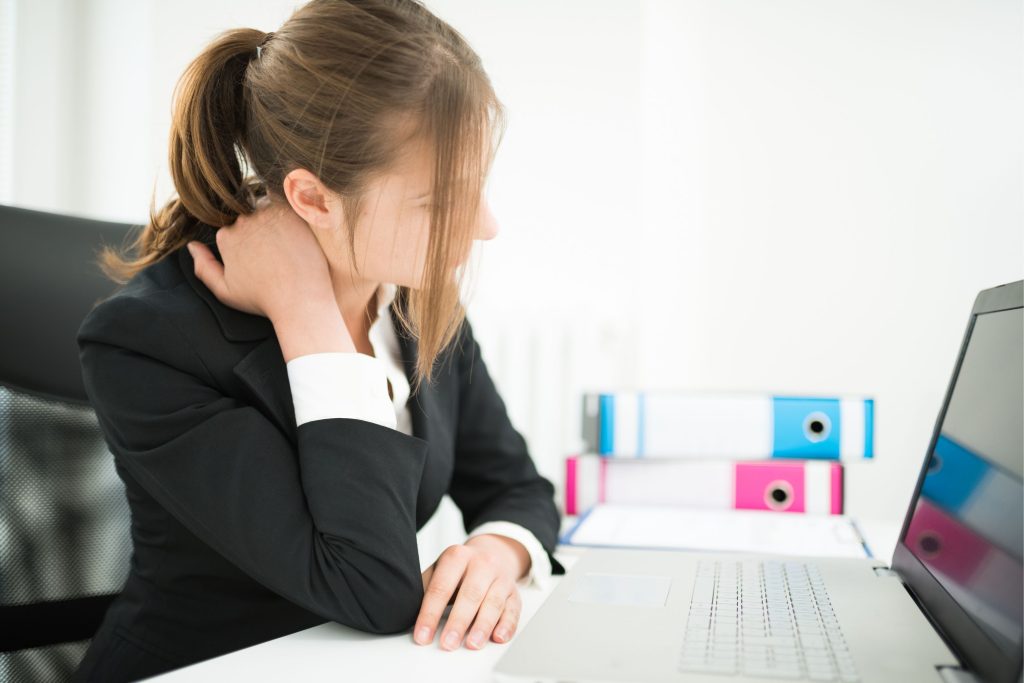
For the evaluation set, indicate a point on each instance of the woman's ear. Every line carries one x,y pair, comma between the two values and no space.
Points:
308,198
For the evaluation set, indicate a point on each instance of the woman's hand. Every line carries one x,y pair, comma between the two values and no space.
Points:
484,571
272,262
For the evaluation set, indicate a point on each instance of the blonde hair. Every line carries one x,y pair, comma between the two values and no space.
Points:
329,92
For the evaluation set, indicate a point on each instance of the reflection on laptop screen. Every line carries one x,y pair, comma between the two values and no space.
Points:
966,527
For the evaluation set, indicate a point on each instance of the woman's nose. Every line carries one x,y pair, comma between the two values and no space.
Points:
487,226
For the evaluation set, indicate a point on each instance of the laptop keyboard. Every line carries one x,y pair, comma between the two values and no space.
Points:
764,618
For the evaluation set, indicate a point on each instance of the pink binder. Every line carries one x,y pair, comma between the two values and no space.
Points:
808,486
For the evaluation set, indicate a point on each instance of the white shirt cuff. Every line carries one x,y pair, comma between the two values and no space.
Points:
340,384
540,564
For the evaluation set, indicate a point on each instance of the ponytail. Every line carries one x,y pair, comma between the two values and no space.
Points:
207,143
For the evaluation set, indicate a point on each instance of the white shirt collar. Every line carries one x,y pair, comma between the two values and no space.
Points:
386,293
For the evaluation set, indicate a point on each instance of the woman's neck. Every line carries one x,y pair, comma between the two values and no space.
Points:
357,302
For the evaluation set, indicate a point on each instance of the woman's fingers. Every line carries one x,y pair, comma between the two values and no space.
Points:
269,259
509,618
494,605
426,574
475,596
208,269
444,580
486,600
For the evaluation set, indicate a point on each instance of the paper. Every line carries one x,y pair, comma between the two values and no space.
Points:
749,531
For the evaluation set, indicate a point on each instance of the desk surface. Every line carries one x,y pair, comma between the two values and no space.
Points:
332,651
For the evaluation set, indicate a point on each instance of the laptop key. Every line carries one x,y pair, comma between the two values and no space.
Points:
767,619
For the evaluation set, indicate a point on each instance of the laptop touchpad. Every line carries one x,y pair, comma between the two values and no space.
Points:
622,589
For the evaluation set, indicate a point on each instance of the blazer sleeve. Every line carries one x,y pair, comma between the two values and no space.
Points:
494,477
330,524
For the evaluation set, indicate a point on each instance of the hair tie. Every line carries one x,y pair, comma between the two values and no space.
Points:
259,48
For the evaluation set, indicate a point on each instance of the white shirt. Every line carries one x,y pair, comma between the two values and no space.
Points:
314,379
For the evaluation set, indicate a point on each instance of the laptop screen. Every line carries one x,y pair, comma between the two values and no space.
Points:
967,523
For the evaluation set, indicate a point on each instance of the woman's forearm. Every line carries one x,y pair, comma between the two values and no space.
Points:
311,327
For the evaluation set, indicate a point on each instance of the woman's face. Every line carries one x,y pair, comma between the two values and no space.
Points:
392,231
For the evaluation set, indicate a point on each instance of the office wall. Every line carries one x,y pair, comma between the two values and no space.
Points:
792,196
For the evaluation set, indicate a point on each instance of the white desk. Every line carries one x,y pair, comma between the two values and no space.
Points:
331,652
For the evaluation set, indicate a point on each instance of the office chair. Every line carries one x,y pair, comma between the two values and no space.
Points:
65,540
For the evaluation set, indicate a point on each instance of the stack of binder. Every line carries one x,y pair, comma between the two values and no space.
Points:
718,451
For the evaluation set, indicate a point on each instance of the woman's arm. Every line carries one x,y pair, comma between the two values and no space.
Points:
494,481
494,477
330,527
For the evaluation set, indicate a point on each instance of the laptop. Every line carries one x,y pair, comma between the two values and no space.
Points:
947,608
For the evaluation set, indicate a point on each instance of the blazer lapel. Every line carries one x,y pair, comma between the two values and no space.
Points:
422,406
431,413
262,368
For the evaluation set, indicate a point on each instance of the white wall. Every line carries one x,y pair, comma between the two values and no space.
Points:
792,196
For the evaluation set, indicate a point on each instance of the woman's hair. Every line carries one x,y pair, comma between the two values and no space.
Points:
339,90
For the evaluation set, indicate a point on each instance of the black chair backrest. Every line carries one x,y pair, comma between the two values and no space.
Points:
65,540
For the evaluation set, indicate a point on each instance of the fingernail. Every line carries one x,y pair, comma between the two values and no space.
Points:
190,249
501,634
451,641
423,635
474,639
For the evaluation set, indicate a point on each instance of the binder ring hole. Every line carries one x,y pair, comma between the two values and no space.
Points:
930,543
817,427
778,495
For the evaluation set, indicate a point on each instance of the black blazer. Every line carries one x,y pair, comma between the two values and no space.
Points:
246,528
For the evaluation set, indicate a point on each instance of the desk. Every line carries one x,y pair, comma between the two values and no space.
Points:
332,652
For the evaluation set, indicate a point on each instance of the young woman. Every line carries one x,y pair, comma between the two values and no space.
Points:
287,380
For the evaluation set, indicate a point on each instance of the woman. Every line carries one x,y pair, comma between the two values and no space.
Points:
289,396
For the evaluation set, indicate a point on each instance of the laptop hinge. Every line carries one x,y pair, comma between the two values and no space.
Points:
954,674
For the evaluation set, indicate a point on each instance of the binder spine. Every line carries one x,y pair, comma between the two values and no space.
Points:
570,485
869,428
591,423
741,426
606,423
836,481
810,486
602,481
584,483
641,427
